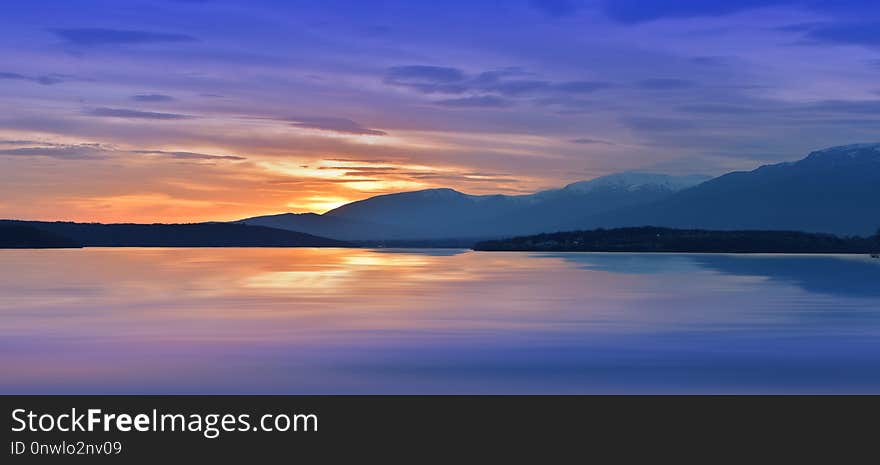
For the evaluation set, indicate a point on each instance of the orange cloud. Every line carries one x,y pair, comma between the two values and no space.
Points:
229,178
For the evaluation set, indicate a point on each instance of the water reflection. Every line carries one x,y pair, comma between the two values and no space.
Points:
412,321
841,275
430,252
845,276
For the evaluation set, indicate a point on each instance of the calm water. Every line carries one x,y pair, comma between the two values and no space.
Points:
410,321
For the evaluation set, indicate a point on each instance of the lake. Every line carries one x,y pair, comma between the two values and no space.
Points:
360,321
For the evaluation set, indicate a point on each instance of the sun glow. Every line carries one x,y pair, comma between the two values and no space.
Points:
318,204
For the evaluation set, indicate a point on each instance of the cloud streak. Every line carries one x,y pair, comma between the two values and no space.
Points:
85,151
331,124
59,151
94,37
484,101
152,98
507,82
498,88
427,79
122,113
190,155
44,79
588,141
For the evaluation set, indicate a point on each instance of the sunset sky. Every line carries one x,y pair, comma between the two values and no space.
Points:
188,110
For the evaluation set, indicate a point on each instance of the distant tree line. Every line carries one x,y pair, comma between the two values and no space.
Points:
655,239
39,234
22,236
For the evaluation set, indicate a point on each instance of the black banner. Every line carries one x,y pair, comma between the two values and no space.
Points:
413,429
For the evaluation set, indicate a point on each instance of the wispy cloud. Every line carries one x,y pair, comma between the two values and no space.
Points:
134,114
506,81
24,142
339,125
719,108
44,79
427,79
189,155
498,88
59,151
709,60
485,101
90,37
588,141
152,98
97,150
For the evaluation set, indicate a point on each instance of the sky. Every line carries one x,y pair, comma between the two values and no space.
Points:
194,110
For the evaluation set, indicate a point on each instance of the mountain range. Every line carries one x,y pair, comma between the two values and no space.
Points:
835,190
446,213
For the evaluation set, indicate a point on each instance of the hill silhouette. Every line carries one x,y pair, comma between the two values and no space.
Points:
175,235
21,236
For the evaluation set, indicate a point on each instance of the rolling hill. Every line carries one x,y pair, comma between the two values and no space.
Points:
173,235
22,236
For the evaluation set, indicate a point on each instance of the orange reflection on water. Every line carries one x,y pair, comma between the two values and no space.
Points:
320,320
313,294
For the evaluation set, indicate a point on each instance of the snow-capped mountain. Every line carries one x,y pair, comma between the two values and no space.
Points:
835,190
635,180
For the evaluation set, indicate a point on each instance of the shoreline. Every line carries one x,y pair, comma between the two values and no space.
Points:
467,249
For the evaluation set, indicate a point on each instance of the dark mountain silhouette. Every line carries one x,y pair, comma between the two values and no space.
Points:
445,213
832,191
175,235
21,236
836,190
559,210
654,239
327,226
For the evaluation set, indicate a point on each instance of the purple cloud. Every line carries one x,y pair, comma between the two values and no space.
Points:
485,101
134,114
340,125
152,98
